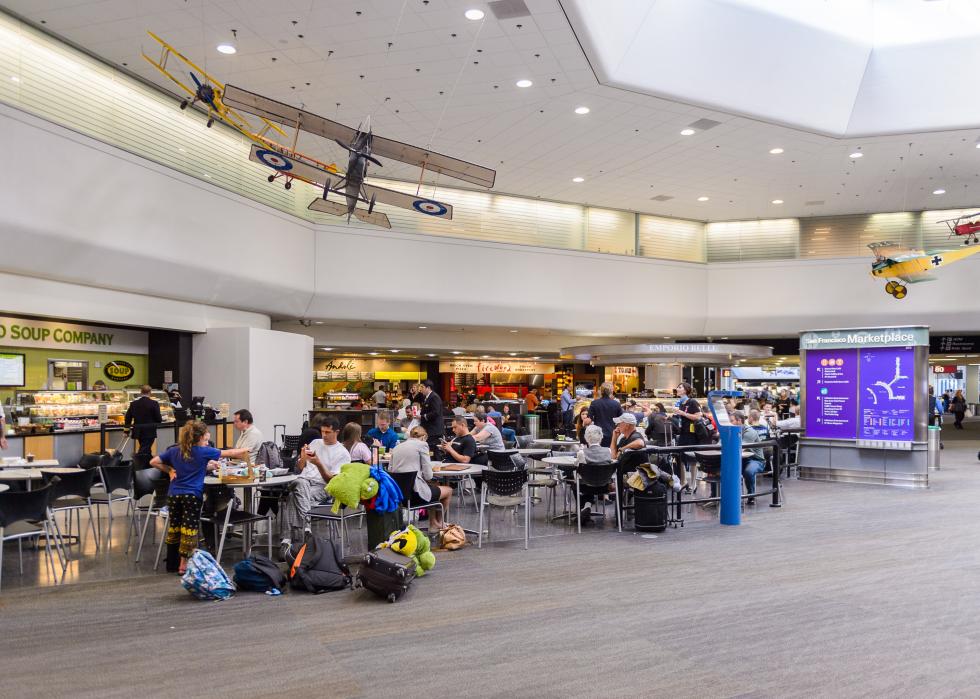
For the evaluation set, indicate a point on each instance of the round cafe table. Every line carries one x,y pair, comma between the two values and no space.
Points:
458,475
24,463
27,475
247,490
556,444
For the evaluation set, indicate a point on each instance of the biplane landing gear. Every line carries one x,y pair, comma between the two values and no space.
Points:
183,104
897,290
371,205
271,178
210,123
288,185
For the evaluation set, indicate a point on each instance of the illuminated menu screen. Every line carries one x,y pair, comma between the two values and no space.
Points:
11,370
831,393
886,398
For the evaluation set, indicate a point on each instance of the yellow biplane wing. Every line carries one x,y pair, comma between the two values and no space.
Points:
198,76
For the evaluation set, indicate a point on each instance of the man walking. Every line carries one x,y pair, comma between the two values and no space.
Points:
143,412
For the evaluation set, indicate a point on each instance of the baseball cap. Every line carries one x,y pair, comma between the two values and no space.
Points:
626,417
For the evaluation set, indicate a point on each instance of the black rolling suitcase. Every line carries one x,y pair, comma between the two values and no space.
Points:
386,573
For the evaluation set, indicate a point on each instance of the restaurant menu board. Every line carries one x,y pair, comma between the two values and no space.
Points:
887,394
11,370
831,393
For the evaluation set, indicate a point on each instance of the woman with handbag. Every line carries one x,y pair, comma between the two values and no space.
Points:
687,419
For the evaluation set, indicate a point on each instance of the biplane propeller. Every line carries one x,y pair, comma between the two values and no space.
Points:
362,147
204,93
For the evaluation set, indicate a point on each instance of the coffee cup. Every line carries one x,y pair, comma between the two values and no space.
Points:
30,458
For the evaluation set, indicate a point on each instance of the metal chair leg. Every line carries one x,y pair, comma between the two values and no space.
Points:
91,522
483,497
619,512
166,524
578,502
527,515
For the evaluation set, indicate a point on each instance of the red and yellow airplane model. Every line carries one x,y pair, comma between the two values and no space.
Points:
285,160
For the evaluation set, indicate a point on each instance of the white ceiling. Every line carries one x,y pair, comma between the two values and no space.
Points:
628,149
854,68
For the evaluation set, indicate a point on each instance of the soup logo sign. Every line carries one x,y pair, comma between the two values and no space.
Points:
118,370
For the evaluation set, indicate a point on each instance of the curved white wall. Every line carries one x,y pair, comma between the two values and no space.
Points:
178,253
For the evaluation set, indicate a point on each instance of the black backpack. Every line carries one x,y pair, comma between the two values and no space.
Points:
259,573
317,568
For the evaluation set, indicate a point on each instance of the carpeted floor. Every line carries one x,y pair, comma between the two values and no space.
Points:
846,591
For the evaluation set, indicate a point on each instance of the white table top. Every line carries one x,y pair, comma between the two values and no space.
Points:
557,442
13,474
471,470
528,452
62,469
274,480
3,487
560,460
37,463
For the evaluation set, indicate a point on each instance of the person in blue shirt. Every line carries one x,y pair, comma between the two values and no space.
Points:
567,407
385,437
188,463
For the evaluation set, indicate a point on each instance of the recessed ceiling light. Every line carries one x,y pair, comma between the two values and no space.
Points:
473,15
702,198
484,356
856,154
17,80
666,337
535,357
939,191
394,351
373,354
513,354
524,83
423,327
581,110
578,179
978,144
317,322
687,132
455,352
326,349
226,49
777,201
775,151
430,355
513,331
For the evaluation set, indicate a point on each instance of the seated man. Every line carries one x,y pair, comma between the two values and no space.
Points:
462,448
249,436
756,464
382,435
625,436
318,462
793,421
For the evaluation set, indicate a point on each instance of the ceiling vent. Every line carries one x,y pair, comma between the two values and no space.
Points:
815,202
703,124
661,197
509,9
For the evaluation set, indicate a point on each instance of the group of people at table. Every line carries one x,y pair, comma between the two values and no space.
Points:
604,429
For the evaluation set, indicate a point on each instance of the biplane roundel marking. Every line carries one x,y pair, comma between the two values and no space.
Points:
273,160
427,206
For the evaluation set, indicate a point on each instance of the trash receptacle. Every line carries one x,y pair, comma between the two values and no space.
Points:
532,422
933,446
650,510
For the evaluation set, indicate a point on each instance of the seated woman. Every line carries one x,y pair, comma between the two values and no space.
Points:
189,460
582,420
351,437
660,430
593,453
412,455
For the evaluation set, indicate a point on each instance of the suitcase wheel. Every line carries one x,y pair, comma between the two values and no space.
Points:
391,597
401,573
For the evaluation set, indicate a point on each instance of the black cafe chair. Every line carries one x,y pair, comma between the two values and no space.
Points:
505,489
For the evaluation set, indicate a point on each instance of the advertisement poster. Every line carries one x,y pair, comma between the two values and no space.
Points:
831,393
887,394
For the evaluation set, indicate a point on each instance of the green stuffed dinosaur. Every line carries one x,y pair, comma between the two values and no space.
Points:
411,542
351,485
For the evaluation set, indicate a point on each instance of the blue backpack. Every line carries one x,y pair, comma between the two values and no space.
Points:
205,579
259,574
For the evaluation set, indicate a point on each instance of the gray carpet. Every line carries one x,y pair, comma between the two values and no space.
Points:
847,591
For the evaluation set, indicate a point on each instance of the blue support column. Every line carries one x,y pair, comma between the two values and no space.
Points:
731,475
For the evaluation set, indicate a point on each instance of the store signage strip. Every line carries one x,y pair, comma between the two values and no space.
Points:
869,337
18,332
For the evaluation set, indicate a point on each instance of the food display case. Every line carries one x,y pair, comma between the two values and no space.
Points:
66,410
339,400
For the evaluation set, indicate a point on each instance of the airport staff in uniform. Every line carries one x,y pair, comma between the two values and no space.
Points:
143,411
431,418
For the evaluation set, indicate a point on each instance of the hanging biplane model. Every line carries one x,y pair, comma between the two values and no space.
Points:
893,262
209,92
967,225
362,147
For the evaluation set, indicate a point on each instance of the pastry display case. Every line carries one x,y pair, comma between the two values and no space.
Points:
68,410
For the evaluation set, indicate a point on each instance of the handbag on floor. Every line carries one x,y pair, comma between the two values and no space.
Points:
205,579
452,537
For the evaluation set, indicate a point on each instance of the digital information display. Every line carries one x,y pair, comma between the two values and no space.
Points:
865,394
11,370
886,398
831,393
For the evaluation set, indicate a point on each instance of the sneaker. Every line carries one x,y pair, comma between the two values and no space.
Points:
750,501
587,511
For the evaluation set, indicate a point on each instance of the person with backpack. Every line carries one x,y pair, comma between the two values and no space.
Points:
189,460
957,406
687,416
